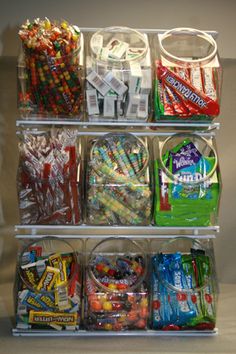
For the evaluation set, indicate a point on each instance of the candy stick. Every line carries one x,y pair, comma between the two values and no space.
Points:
133,184
118,208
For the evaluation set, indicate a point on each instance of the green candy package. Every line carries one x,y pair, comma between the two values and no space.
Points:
185,197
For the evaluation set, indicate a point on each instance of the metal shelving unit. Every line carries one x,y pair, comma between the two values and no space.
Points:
93,127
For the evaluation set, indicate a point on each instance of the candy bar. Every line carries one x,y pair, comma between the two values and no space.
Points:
92,102
109,106
116,84
135,79
117,48
96,81
146,83
56,291
48,279
143,106
47,318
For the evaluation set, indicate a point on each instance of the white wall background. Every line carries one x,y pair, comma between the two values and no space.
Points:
203,14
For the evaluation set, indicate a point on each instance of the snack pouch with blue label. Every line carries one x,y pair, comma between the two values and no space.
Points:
185,197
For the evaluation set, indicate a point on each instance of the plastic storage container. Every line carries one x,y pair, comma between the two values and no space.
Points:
188,76
116,296
183,283
49,178
48,286
118,181
119,80
50,70
187,181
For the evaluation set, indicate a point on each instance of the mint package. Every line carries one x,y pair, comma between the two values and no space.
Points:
186,204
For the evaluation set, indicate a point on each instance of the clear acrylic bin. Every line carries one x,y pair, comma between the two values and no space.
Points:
116,296
187,181
183,285
119,76
188,76
118,181
49,178
50,70
48,286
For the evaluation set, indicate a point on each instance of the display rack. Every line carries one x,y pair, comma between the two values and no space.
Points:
23,233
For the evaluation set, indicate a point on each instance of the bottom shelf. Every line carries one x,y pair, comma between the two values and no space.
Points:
84,333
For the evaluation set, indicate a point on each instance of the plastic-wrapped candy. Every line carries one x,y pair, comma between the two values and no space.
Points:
48,287
116,296
187,76
187,182
49,188
50,69
183,290
118,182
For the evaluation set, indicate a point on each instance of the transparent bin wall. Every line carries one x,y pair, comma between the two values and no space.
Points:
113,196
188,76
116,294
50,77
187,181
49,178
183,285
48,289
118,75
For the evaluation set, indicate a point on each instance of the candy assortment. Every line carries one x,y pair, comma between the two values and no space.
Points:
119,79
115,288
50,72
49,288
187,182
188,76
118,185
49,188
183,291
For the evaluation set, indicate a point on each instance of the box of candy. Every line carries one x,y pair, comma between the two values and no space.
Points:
49,177
187,181
188,76
183,285
118,75
50,70
48,286
118,180
116,295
